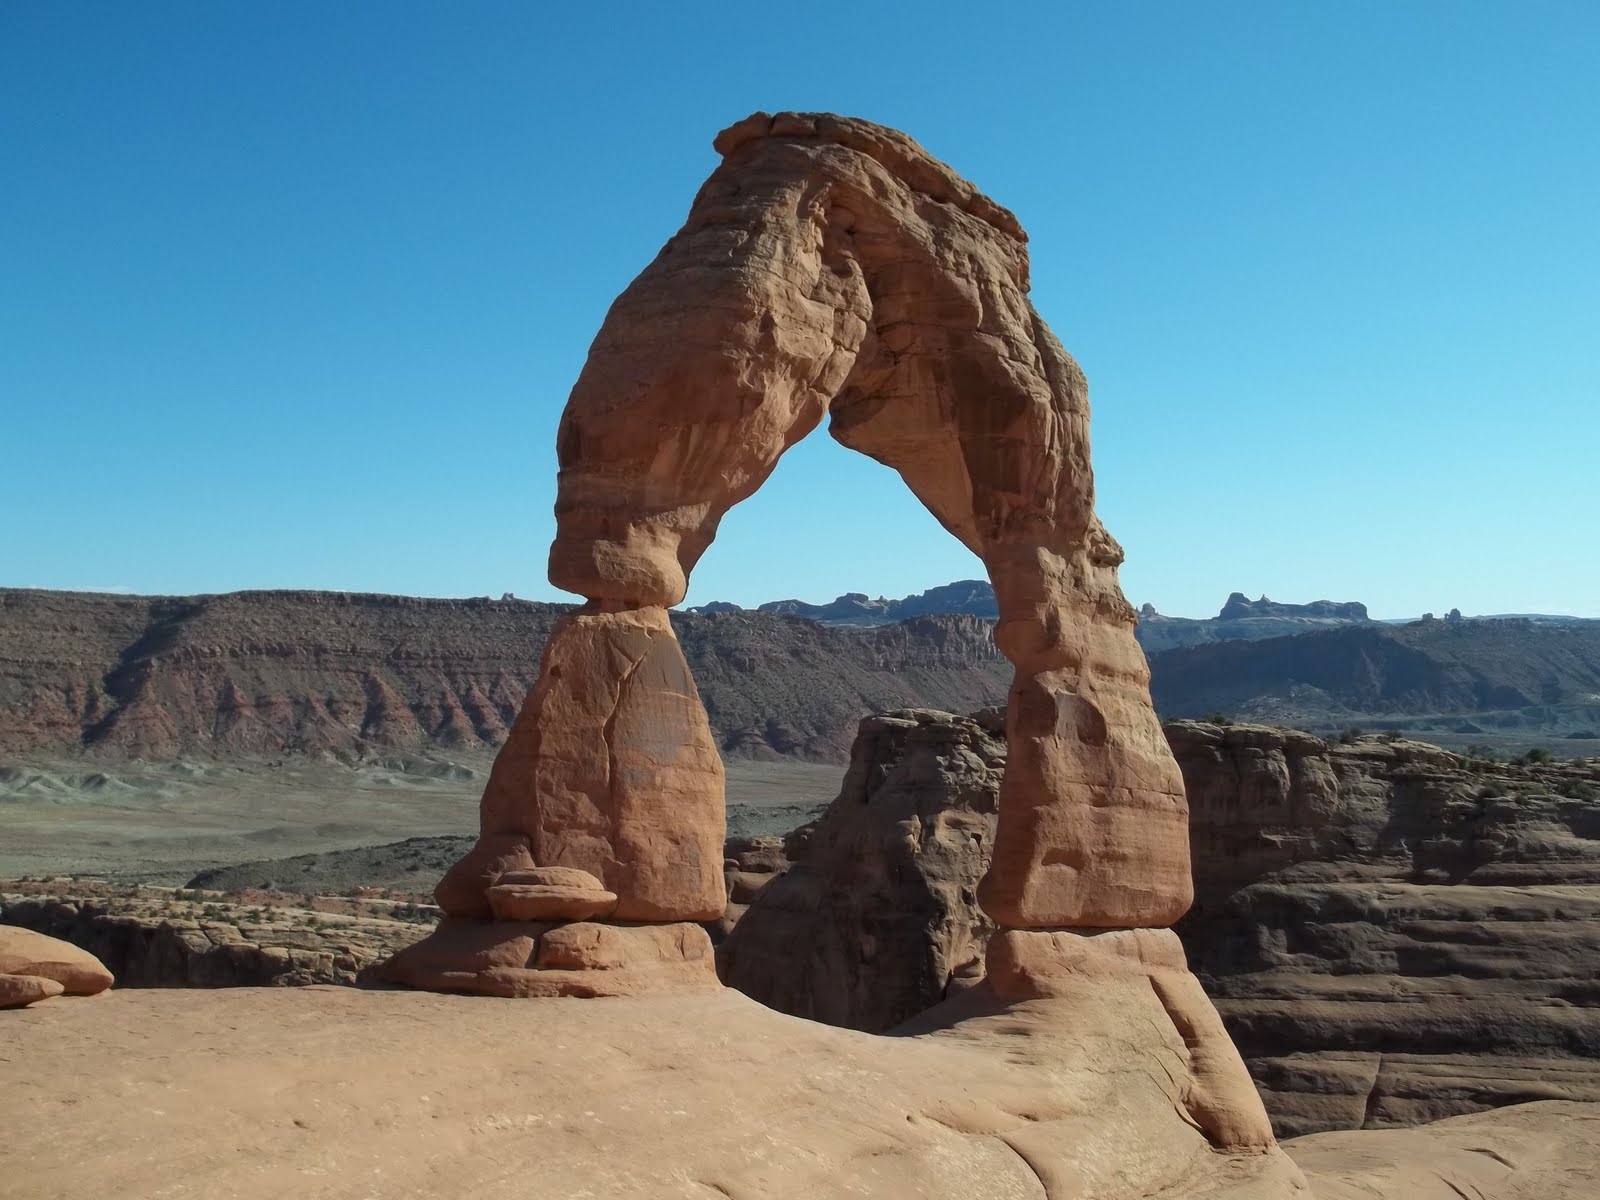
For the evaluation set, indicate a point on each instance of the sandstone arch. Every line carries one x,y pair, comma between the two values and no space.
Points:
829,268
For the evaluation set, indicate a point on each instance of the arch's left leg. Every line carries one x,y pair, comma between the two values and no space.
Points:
606,803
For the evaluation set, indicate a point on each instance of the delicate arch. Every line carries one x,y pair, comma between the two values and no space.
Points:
829,266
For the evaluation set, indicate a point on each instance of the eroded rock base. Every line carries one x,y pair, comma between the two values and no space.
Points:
543,958
1218,1095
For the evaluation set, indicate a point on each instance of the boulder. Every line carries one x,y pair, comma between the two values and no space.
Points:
25,952
540,902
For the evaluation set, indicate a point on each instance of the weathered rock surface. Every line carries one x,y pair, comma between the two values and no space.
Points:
19,991
1527,1152
611,769
549,958
158,944
334,1092
879,915
256,1092
1393,933
750,864
31,953
830,267
1149,967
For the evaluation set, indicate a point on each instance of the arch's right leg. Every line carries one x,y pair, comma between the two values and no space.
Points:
990,430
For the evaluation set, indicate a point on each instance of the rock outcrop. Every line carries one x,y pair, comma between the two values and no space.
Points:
1393,933
878,917
673,1098
1548,1151
970,597
1240,607
156,943
1246,620
19,991
828,268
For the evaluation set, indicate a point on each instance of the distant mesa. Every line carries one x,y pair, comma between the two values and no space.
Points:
1240,619
968,597
1240,607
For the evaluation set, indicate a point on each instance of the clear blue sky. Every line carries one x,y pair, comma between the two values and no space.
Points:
292,294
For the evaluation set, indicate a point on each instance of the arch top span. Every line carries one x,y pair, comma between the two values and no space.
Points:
829,270
889,148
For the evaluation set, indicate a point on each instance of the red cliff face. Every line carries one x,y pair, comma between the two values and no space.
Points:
257,673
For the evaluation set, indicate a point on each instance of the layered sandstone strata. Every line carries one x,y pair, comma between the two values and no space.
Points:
150,940
357,677
1393,933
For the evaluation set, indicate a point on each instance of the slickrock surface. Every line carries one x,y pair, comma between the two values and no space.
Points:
332,1092
150,939
1545,1151
1393,933
335,1094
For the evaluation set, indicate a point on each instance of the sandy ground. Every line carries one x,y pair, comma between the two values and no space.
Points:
163,822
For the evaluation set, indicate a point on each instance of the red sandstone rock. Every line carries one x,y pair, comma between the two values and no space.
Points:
24,952
831,268
611,768
459,952
1037,964
535,902
568,877
463,892
19,991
